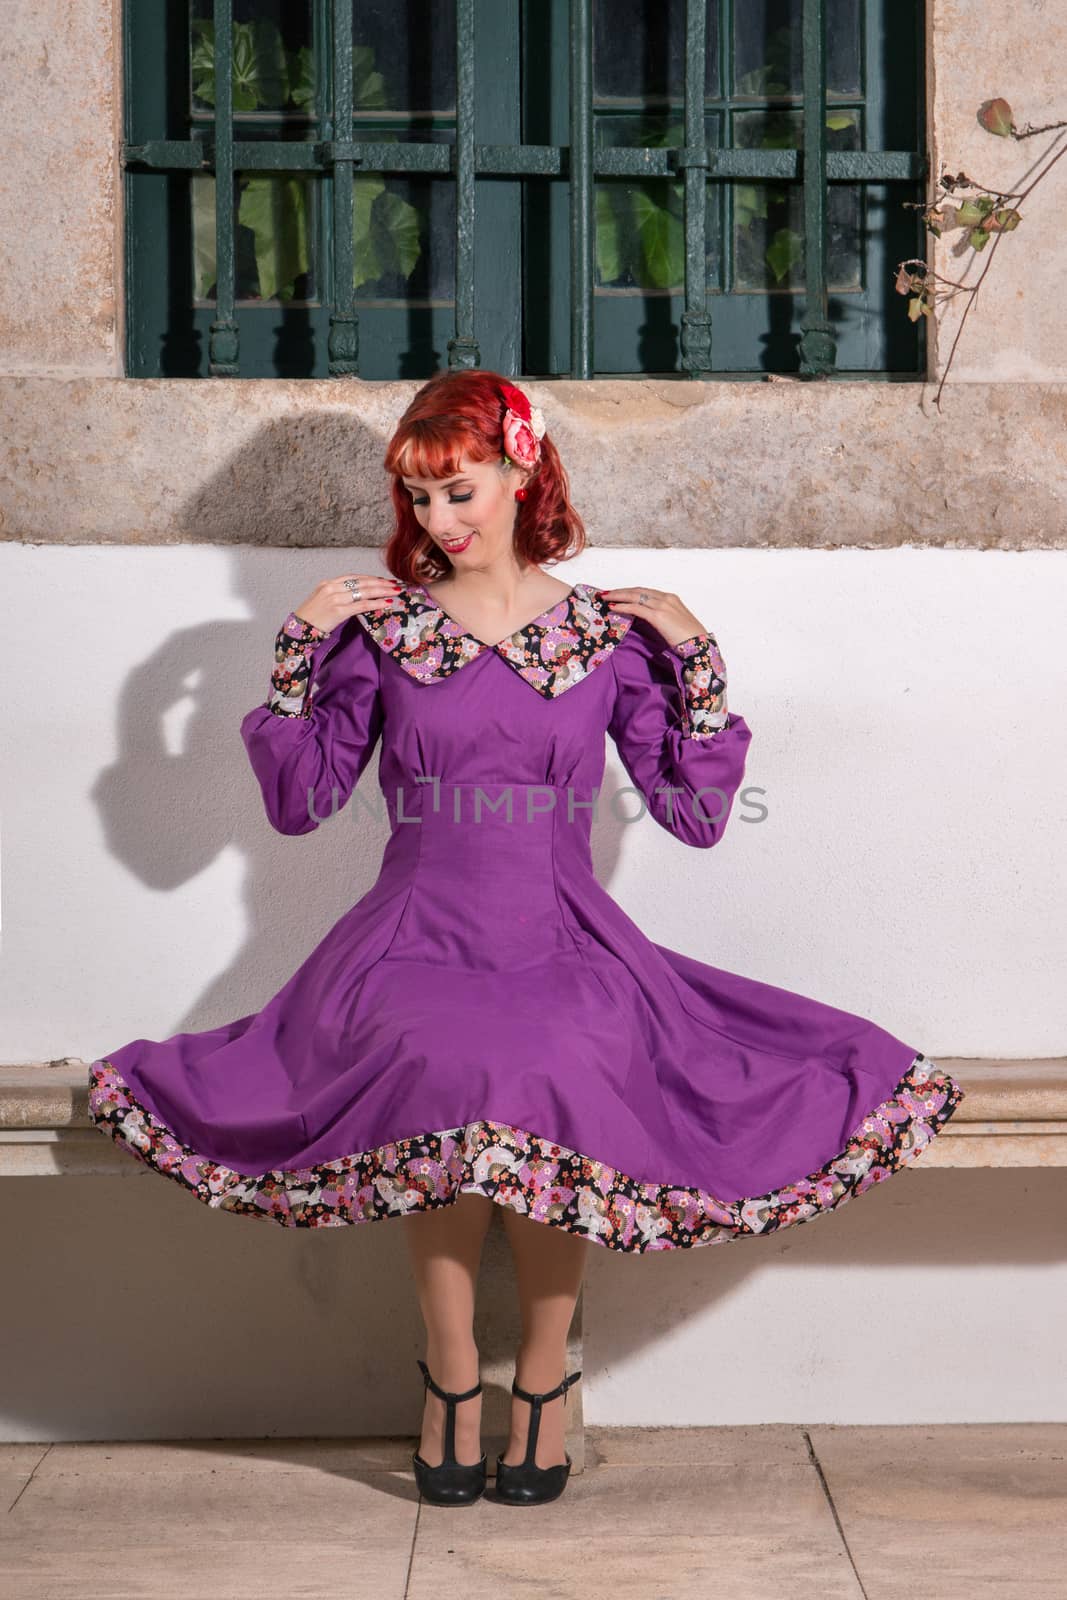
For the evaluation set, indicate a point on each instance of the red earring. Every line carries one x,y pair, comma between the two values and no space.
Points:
520,494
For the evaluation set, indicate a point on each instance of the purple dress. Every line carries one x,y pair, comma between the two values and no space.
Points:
486,1019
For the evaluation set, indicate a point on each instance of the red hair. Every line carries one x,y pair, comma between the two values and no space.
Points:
457,414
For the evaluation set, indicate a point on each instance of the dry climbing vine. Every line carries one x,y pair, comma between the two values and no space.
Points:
985,214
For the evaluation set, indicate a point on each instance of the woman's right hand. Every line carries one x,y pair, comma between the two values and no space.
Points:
330,602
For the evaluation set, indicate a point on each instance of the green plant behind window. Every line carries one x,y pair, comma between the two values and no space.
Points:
265,74
640,226
276,210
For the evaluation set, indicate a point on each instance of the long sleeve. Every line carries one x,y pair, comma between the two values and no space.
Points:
683,749
317,730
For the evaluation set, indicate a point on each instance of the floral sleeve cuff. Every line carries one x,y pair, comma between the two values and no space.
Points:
294,648
703,686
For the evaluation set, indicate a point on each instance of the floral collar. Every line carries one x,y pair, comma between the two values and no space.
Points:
553,652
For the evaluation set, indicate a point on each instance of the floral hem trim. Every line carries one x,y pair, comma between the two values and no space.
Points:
534,1176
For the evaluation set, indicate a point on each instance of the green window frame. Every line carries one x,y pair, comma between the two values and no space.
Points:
590,233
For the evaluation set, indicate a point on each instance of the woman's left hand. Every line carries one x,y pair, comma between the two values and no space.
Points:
665,611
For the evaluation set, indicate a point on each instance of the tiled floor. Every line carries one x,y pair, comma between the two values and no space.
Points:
760,1513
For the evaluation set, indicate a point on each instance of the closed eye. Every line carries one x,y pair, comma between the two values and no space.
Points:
453,499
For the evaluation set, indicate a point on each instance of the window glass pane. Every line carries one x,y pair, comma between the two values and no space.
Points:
640,223
769,50
273,65
768,218
639,51
273,245
405,230
405,56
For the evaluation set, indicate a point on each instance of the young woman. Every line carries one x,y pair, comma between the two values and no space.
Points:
486,1025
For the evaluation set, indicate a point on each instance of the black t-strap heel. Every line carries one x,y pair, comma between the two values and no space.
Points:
525,1483
452,1483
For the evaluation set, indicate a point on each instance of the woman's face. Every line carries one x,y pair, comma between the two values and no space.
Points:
470,516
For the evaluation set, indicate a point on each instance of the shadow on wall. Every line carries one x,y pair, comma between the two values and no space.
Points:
168,815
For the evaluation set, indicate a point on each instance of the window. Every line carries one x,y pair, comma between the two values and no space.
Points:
618,187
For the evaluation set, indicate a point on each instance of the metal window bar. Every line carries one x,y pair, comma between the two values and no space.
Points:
343,343
224,349
581,168
818,347
463,346
338,154
693,162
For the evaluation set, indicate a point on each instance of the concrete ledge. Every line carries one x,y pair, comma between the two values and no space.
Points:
91,460
1014,1115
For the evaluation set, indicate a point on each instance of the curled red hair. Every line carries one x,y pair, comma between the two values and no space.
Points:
458,414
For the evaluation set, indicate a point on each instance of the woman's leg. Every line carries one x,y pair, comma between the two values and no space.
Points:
445,1246
549,1263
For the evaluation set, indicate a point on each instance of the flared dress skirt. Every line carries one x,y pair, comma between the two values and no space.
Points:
486,1019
